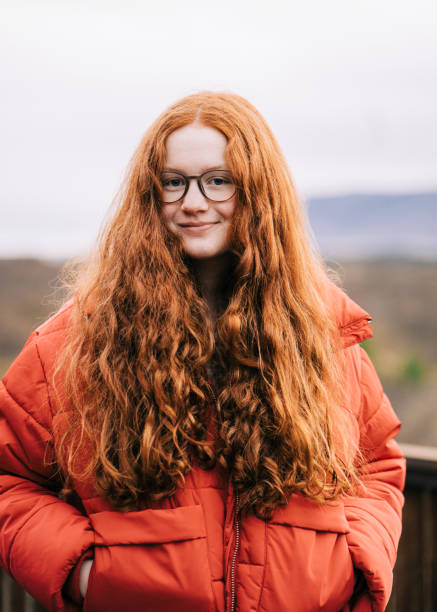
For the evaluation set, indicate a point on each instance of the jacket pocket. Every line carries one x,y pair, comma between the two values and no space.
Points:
309,567
151,560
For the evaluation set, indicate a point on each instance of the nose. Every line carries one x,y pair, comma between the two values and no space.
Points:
194,200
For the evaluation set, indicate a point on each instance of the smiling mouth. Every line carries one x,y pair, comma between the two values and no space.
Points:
197,226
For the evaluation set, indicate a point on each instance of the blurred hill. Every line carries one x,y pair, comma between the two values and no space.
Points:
362,226
400,295
28,290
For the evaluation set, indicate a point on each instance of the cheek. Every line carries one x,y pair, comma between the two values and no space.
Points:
167,212
226,209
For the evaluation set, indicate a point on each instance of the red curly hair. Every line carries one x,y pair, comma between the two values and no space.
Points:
135,364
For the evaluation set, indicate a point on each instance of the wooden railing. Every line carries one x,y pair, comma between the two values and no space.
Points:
14,598
415,576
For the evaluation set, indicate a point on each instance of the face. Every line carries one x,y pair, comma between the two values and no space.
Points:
204,225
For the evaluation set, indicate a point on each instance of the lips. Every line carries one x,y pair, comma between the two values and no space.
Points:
196,228
202,224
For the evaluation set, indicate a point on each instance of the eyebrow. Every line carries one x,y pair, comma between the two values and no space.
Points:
202,171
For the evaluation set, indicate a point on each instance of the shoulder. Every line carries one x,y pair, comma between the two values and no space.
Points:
60,321
50,337
363,390
26,380
365,399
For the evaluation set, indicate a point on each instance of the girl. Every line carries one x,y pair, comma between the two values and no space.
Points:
198,429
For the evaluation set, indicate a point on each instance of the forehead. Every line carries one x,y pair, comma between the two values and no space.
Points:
195,148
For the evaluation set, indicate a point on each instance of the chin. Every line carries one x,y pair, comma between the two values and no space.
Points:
204,252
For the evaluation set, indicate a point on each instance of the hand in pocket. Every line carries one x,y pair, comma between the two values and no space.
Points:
84,576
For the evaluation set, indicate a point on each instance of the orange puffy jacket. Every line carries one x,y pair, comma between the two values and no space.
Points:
190,554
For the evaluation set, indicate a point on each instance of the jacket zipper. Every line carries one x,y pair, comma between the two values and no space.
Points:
235,555
237,532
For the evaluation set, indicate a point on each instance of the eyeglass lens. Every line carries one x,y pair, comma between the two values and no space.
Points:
216,185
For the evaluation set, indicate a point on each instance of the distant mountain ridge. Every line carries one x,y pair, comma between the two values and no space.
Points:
375,225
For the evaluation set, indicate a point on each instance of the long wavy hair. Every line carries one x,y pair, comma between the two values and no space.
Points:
135,365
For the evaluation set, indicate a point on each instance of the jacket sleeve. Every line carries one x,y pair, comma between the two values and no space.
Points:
374,515
42,537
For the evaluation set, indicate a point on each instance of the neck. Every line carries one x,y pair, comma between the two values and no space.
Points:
213,275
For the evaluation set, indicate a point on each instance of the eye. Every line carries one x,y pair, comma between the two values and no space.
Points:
172,182
217,180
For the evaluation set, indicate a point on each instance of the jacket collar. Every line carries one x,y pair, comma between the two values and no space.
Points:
352,320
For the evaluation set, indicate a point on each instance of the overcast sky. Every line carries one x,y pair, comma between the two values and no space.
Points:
349,88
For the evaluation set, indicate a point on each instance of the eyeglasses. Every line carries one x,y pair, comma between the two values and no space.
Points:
215,185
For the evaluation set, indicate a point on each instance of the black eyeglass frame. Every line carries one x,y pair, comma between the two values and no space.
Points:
198,178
